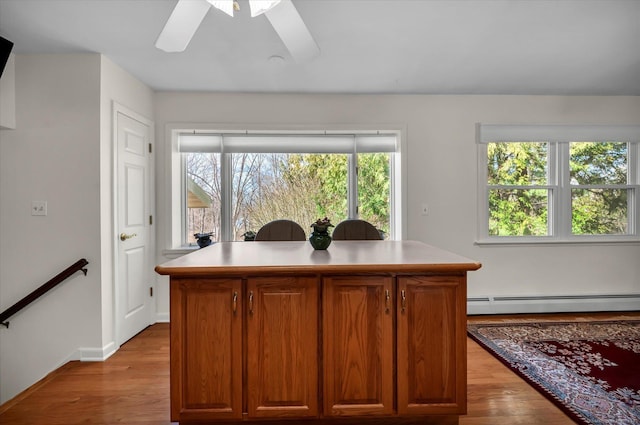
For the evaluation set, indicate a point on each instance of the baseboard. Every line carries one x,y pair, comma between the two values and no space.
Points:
81,354
552,304
97,354
33,388
162,318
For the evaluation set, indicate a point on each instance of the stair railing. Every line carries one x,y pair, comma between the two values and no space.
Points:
56,280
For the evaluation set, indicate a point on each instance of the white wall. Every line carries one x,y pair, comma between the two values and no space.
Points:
441,160
8,94
116,85
53,155
60,152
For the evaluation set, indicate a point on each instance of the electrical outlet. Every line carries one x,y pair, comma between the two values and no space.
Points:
38,207
424,210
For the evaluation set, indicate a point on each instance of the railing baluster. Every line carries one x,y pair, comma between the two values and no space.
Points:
77,266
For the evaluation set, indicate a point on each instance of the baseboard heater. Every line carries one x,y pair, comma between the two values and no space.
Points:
552,303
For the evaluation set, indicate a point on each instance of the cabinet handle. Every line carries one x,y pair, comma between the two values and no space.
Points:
403,295
235,302
387,297
250,302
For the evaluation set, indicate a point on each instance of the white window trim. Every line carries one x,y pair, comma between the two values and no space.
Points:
174,177
560,199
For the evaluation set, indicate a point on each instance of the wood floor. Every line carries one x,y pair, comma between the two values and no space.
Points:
132,387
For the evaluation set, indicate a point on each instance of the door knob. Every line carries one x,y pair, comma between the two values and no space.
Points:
124,236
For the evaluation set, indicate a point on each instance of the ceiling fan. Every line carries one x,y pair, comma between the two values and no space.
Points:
282,14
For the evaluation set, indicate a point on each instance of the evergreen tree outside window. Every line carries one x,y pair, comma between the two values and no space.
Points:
599,176
254,179
517,184
558,183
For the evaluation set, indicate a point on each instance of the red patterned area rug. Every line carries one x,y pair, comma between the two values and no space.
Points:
591,370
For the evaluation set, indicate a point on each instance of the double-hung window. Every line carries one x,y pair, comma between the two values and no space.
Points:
235,182
558,183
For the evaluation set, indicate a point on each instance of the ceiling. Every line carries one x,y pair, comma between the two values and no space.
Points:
540,47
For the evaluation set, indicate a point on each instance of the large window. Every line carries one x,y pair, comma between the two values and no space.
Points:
558,183
235,183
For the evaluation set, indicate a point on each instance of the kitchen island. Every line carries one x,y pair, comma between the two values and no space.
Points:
364,332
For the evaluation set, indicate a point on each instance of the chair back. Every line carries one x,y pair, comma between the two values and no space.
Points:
281,230
355,230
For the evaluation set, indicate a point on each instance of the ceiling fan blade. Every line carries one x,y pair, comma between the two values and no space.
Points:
182,24
293,32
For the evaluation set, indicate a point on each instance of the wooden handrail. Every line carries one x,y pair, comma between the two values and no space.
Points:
77,266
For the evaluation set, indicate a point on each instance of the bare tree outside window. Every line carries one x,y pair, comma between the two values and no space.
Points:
270,186
203,169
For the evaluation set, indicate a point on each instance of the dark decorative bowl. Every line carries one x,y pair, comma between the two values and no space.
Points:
203,239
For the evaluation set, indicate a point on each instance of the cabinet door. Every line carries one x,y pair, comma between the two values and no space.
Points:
358,345
206,349
432,345
282,347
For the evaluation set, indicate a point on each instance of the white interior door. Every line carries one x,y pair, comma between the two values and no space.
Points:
134,307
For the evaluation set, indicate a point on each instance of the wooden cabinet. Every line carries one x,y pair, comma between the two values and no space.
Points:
206,359
280,316
365,333
282,347
358,342
431,345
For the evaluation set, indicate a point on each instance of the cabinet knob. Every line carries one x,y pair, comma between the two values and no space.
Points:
403,296
251,302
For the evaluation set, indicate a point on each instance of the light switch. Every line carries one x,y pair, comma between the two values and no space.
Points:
38,207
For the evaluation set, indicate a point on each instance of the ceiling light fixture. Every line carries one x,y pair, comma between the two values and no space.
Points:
283,16
257,7
224,5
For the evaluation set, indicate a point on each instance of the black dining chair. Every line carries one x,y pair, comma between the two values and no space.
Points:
355,230
281,230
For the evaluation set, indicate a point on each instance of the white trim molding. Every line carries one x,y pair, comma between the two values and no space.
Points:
94,354
162,318
557,183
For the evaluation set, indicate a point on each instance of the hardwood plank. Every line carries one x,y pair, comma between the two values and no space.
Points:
132,386
500,397
497,396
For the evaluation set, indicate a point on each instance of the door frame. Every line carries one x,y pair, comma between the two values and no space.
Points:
118,108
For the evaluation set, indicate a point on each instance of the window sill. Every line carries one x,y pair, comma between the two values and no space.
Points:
178,252
516,241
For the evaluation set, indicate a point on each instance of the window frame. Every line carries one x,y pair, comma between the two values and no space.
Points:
176,239
558,184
